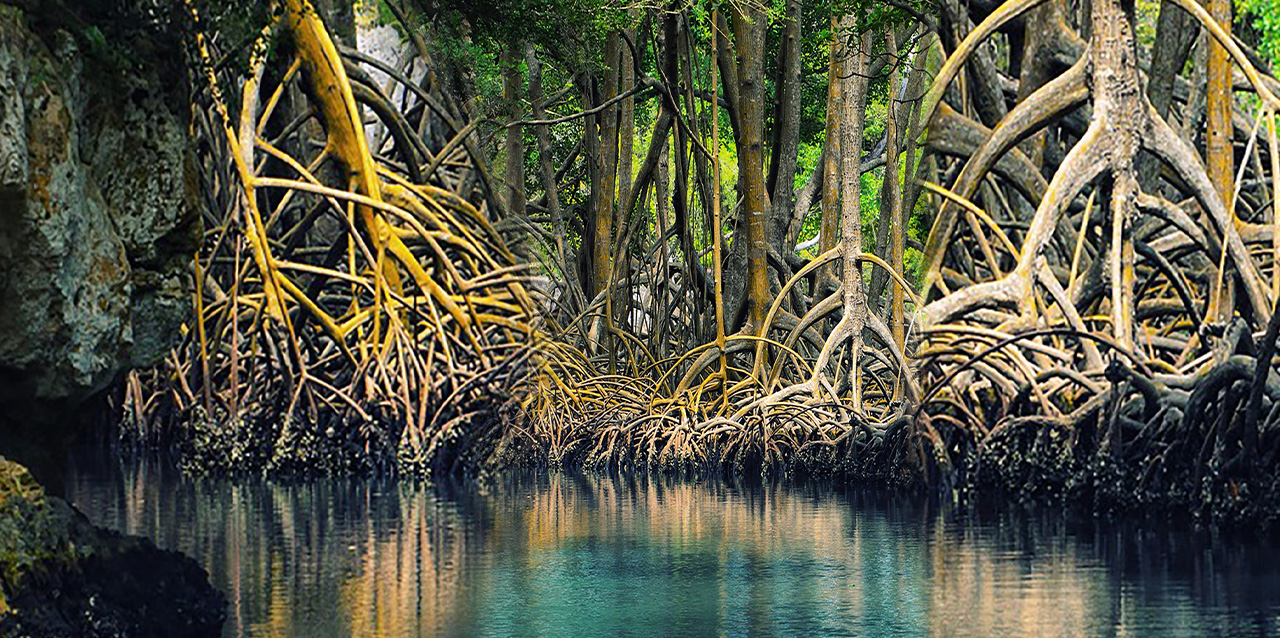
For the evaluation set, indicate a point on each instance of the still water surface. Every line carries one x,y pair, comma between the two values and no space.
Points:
560,555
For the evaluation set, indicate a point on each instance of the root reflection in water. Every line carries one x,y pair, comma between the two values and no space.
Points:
560,555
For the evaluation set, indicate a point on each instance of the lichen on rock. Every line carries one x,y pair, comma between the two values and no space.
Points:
98,214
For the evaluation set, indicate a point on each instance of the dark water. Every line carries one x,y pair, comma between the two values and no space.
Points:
569,556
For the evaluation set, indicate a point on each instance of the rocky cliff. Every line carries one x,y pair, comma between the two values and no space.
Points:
98,211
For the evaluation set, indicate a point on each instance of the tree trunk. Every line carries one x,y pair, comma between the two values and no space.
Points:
626,125
982,76
670,46
786,134
514,146
573,288
908,119
852,121
1220,98
1175,33
829,231
748,28
607,167
339,16
1220,161
892,193
593,217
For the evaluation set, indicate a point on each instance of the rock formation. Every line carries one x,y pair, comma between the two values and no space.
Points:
98,210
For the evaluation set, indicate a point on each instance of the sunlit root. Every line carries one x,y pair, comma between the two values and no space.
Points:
374,319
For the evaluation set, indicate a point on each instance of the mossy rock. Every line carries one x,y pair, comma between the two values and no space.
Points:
61,576
32,531
17,482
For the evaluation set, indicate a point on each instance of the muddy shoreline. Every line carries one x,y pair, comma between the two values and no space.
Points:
1027,461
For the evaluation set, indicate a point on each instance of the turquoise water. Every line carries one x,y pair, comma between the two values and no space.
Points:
558,555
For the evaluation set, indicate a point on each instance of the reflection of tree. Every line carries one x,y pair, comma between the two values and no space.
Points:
349,558
560,555
1006,592
748,559
411,578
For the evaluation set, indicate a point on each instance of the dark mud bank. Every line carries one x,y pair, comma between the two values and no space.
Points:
62,577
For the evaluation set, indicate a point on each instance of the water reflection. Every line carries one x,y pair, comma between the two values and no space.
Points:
556,555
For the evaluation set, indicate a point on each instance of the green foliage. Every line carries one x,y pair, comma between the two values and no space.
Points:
566,28
1147,14
235,26
869,194
1264,17
807,158
875,15
469,37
